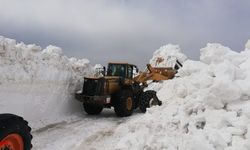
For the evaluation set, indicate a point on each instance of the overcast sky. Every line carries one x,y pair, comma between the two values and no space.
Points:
126,30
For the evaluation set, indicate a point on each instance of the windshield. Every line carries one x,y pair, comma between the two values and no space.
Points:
116,70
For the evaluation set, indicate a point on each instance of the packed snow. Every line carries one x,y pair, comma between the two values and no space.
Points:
205,107
38,84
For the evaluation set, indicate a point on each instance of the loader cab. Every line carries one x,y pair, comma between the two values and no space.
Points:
124,70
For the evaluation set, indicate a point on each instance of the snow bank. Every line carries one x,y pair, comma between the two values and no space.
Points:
38,84
206,107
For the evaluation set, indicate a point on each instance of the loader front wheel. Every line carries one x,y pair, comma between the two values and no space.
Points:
124,103
148,99
92,109
14,133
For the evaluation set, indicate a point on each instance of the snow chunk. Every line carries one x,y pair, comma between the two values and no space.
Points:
226,91
216,53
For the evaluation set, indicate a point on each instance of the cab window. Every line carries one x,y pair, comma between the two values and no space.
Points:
116,70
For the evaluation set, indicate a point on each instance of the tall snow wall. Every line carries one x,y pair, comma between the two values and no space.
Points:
39,84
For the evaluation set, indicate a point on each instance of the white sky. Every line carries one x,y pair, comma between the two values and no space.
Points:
126,30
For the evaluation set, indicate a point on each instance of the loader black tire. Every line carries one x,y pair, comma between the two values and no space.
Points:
145,98
124,103
92,109
15,129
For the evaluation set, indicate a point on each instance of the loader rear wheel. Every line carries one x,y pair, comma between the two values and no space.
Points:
92,109
148,99
124,103
14,133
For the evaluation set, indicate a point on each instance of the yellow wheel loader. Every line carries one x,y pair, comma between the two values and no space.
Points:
122,87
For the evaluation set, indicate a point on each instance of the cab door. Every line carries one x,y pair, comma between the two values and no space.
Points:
129,75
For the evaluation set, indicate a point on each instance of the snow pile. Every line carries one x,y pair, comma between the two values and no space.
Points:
38,84
167,55
207,107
